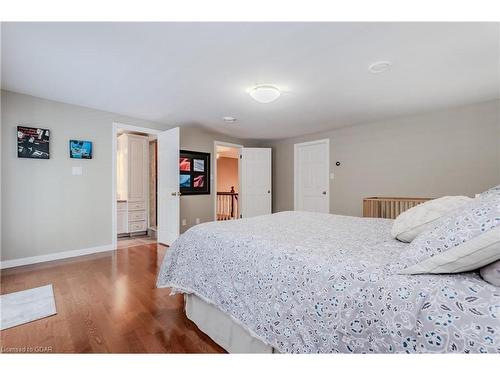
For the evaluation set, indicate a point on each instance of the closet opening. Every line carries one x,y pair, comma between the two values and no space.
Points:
227,181
136,187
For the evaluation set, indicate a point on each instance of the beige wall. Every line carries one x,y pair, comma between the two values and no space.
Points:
45,209
227,174
454,151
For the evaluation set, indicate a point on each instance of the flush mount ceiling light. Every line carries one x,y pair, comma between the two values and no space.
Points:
379,67
229,119
265,93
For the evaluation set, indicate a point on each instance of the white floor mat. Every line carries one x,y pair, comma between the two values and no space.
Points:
26,306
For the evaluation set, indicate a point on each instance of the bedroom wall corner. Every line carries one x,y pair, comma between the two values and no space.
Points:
454,151
45,209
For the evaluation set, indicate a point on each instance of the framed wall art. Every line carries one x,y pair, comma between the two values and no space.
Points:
32,143
80,149
194,172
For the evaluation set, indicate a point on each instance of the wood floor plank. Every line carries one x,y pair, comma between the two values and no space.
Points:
106,303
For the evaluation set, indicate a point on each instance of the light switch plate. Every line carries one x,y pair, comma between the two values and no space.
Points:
76,171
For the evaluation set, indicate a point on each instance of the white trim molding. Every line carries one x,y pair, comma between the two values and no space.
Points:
325,141
54,256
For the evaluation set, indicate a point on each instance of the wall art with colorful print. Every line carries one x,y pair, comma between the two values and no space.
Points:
194,172
32,143
80,149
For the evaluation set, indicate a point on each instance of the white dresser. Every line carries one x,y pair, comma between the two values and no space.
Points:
132,183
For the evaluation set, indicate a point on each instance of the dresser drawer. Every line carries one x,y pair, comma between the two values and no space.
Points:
136,215
136,226
140,205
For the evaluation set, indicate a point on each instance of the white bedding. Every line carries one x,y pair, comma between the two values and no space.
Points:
307,282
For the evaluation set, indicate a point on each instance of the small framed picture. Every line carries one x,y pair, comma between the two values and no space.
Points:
80,149
184,164
185,181
32,143
198,165
194,172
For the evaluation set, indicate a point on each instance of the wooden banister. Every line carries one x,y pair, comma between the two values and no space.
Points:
227,205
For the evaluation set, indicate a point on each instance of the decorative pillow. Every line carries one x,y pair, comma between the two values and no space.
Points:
491,273
462,240
420,218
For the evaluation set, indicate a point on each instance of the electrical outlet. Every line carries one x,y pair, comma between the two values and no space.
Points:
197,220
184,222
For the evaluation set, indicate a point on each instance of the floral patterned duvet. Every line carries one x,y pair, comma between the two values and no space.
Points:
319,283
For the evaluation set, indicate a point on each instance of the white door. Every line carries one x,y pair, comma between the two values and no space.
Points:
168,186
255,189
311,177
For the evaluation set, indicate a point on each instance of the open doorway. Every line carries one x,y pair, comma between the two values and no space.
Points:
227,181
145,191
136,188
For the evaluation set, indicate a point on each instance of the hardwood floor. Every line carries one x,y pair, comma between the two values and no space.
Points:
134,241
106,303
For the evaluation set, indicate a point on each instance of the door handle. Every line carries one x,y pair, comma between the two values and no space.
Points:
175,194
324,193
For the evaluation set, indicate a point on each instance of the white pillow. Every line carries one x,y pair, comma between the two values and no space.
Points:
414,221
491,273
465,239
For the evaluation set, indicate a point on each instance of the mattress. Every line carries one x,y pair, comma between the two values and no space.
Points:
221,328
318,283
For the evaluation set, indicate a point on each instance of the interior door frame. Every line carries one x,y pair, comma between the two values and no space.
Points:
214,182
295,170
114,147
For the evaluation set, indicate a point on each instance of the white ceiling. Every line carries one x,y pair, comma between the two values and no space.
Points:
196,73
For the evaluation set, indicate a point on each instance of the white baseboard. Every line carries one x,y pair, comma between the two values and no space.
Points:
54,256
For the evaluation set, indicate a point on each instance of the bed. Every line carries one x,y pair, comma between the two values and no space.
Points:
299,282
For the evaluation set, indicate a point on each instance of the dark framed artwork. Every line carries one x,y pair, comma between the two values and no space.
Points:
80,149
32,143
194,172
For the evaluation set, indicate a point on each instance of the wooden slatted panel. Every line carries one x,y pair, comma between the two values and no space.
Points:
227,206
389,207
